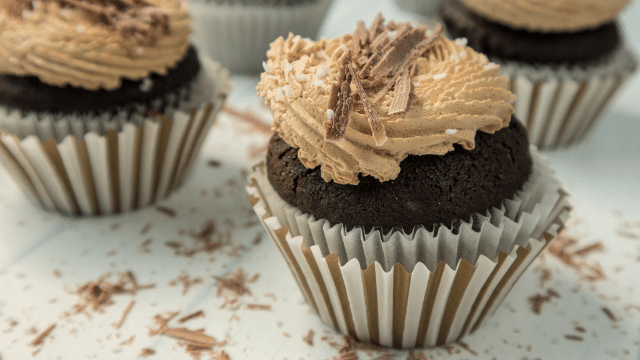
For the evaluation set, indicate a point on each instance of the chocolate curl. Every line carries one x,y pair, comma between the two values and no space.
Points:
359,42
377,129
395,56
402,95
336,128
376,27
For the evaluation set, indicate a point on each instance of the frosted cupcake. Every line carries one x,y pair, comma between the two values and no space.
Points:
103,105
237,33
399,188
566,59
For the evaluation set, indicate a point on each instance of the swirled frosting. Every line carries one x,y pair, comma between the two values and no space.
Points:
548,15
457,92
64,44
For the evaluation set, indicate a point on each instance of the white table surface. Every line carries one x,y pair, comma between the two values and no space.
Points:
602,174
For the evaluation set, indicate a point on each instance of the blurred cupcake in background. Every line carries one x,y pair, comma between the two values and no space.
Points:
103,104
237,33
566,59
428,8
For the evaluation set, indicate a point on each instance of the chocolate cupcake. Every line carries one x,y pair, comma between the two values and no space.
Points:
237,33
103,105
566,60
399,188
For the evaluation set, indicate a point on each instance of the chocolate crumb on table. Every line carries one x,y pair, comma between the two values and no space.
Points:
309,338
609,314
43,335
123,317
167,211
194,315
536,301
258,307
195,342
186,281
574,338
214,163
146,352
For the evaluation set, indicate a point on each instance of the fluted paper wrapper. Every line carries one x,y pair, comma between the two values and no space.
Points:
108,166
413,290
560,106
238,36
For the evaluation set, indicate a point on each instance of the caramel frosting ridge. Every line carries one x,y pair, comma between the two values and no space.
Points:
548,15
92,44
455,92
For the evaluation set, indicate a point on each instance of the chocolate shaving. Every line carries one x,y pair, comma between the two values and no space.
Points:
43,335
138,18
194,315
147,352
336,128
401,96
123,317
609,314
377,129
309,338
574,337
378,64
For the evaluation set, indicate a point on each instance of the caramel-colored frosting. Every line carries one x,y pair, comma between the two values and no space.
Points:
63,44
457,92
548,15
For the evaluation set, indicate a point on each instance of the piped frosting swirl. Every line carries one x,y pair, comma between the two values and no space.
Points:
548,15
456,92
90,44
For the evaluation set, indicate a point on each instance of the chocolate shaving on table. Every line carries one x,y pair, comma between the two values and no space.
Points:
378,64
137,18
377,129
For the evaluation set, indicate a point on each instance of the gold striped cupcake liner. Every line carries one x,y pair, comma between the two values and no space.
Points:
375,287
111,171
561,107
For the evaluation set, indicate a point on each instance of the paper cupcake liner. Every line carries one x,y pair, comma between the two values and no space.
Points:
108,166
560,106
417,290
238,36
429,8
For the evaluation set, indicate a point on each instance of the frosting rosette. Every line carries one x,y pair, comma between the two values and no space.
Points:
448,93
548,15
92,44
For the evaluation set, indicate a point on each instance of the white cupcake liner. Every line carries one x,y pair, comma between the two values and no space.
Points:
110,165
428,8
561,105
238,36
359,283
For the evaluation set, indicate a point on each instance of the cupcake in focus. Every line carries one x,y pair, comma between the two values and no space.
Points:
103,104
237,33
399,187
566,59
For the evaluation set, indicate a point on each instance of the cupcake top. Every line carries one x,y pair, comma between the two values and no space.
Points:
362,103
92,44
548,15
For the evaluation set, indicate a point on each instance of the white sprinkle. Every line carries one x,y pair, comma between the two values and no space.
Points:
80,29
462,54
146,84
266,67
323,55
344,47
272,77
461,41
318,83
450,131
288,68
490,66
296,38
139,51
279,94
287,91
439,76
331,114
454,57
301,77
321,73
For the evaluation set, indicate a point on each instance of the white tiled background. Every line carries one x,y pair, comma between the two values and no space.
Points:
603,175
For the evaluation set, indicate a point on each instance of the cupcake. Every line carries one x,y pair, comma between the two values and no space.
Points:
237,33
103,104
565,59
428,8
400,189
